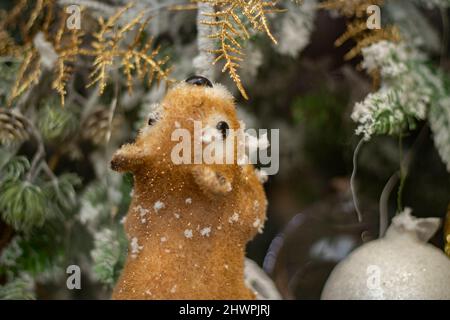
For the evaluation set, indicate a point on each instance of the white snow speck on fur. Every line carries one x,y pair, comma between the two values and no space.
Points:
124,218
177,215
135,247
205,231
257,224
158,206
188,233
234,218
174,289
142,211
261,175
148,292
163,239
188,200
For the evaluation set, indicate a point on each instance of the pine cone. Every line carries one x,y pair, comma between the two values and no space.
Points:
96,126
13,127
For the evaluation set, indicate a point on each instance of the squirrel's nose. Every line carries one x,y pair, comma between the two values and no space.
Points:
199,81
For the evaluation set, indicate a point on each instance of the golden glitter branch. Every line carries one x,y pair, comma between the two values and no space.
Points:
136,58
108,45
233,20
356,13
67,45
30,68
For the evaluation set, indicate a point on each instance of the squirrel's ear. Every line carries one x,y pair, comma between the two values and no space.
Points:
127,159
211,181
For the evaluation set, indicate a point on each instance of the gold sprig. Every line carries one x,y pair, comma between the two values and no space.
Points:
138,57
233,20
13,127
67,45
28,75
357,30
8,46
108,45
30,69
350,8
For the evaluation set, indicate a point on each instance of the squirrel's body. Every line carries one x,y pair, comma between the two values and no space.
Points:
187,225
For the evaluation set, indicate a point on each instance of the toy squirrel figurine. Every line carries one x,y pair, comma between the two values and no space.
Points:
188,224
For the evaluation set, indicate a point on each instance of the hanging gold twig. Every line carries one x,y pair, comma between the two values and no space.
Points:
356,13
108,46
234,21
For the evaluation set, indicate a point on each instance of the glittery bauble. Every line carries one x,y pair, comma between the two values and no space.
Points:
399,266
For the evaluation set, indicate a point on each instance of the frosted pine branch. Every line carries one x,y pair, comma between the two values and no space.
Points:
440,125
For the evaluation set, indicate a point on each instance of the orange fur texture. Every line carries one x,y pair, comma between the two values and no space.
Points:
188,224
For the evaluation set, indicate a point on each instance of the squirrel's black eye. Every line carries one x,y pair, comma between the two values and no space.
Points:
223,127
151,121
199,81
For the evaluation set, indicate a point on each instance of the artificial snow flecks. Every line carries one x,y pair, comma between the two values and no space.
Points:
258,225
234,218
256,205
262,175
205,232
296,27
123,220
388,57
255,59
89,212
188,201
155,114
142,212
188,233
210,134
440,125
135,247
158,206
173,289
177,215
408,88
255,143
47,53
163,239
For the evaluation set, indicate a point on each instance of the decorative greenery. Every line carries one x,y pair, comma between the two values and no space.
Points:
106,255
18,289
56,123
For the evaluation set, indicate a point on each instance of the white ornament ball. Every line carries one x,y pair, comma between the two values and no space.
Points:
399,266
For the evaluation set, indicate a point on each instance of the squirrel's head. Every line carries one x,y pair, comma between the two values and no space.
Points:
195,112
